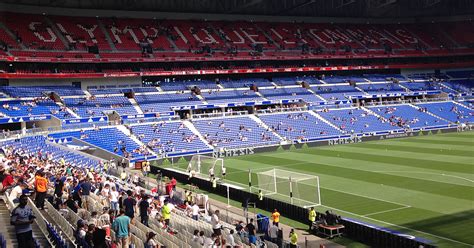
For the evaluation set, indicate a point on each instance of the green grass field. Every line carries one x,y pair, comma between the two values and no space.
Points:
419,185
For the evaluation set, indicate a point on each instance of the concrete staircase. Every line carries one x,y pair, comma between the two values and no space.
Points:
7,230
125,130
191,127
264,125
323,120
58,33
135,105
107,36
428,112
318,96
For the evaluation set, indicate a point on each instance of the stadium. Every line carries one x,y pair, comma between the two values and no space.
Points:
244,123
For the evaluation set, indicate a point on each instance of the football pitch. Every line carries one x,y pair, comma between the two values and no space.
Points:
420,185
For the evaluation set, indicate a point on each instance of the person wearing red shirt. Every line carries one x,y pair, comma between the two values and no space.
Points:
9,179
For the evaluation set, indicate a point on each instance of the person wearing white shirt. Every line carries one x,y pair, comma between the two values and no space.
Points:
273,232
216,226
230,239
17,191
195,211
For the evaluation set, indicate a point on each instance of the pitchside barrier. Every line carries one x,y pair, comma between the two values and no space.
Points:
366,233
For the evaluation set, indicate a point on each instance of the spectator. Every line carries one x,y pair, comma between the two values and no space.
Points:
216,225
276,217
17,191
121,227
85,191
293,239
230,239
129,205
22,217
252,232
150,242
166,213
195,211
41,188
144,207
8,179
273,233
113,197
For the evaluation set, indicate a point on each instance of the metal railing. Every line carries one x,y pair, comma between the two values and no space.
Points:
63,224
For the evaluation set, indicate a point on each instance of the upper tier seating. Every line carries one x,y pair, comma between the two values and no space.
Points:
356,121
421,86
246,83
299,126
379,88
151,103
290,94
234,132
38,91
183,38
450,111
90,107
383,77
407,116
224,96
188,84
460,74
110,139
168,137
338,92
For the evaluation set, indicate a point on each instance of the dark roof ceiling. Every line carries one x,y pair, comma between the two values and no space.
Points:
312,8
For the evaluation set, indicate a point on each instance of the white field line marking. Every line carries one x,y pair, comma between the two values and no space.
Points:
380,221
430,173
386,211
407,228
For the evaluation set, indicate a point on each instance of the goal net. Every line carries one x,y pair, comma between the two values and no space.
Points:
203,166
289,186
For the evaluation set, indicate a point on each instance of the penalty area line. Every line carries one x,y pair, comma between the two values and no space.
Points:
386,211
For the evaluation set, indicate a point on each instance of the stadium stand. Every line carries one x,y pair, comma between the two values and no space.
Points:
407,116
299,126
234,132
450,111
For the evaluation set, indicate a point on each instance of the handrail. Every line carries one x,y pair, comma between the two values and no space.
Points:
63,224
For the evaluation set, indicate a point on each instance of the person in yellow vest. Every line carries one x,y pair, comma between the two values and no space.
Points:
276,217
293,239
166,213
311,217
260,195
123,175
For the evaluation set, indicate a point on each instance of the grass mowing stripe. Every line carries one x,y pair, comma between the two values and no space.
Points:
424,150
426,145
407,155
416,163
431,141
449,190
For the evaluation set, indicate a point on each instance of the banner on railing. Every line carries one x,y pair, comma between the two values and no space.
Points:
147,115
85,120
24,119
417,93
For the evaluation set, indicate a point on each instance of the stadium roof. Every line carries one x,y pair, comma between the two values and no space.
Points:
311,8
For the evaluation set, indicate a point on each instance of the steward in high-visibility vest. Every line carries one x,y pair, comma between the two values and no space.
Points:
311,218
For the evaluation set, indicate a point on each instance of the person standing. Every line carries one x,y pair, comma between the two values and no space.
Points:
276,217
273,233
216,225
22,217
129,205
293,239
144,208
85,191
252,232
166,213
195,211
41,189
311,218
121,227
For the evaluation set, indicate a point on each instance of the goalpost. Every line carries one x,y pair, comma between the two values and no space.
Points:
203,165
289,186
